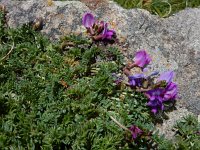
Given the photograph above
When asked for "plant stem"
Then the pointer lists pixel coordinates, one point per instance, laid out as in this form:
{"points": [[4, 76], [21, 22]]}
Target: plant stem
{"points": [[119, 124], [2, 59]]}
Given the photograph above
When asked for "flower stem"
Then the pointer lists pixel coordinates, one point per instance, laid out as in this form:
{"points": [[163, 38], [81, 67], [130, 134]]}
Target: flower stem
{"points": [[119, 124], [6, 56]]}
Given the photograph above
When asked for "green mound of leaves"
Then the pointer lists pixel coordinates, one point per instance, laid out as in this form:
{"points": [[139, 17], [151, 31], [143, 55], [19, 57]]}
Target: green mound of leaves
{"points": [[58, 96], [187, 134], [163, 8], [62, 96]]}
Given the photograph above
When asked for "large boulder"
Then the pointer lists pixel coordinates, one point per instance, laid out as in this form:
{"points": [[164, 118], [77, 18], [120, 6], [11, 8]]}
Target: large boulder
{"points": [[174, 42]]}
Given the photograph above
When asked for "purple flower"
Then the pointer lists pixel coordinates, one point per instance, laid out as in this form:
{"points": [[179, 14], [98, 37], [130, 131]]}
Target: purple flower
{"points": [[170, 92], [104, 33], [159, 95], [155, 94], [110, 34], [98, 30], [107, 34], [135, 131], [166, 76], [88, 20], [155, 105], [141, 58], [155, 97], [136, 80]]}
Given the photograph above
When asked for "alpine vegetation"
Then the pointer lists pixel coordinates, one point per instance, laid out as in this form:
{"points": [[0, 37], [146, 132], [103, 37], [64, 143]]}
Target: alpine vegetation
{"points": [[80, 94]]}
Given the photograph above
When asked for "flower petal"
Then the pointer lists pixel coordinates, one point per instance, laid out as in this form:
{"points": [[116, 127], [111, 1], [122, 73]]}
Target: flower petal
{"points": [[105, 29], [155, 94], [88, 20], [110, 34], [141, 58], [132, 82], [171, 92], [166, 76]]}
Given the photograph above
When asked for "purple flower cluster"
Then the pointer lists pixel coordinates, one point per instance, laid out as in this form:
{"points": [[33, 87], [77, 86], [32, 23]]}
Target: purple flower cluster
{"points": [[98, 30], [159, 92], [135, 131], [160, 95]]}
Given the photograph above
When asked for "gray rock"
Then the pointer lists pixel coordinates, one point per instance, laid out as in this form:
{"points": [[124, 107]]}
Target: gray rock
{"points": [[174, 42], [166, 128], [182, 32]]}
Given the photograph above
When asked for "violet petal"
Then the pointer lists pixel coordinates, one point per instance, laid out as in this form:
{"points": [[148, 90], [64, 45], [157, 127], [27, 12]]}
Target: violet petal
{"points": [[171, 92], [88, 20], [166, 76], [141, 58]]}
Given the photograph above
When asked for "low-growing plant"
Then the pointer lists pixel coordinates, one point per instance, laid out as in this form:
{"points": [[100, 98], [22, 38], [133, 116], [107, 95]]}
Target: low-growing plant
{"points": [[72, 94], [63, 96], [163, 8], [187, 133]]}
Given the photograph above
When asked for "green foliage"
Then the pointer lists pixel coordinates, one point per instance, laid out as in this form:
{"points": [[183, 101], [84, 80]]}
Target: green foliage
{"points": [[61, 96], [163, 8], [187, 134]]}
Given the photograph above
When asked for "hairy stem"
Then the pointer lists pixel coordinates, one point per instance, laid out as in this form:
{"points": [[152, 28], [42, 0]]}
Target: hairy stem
{"points": [[119, 124], [2, 59]]}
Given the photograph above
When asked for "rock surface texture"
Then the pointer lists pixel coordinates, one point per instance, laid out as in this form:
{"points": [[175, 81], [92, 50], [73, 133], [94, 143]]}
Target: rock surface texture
{"points": [[174, 42]]}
